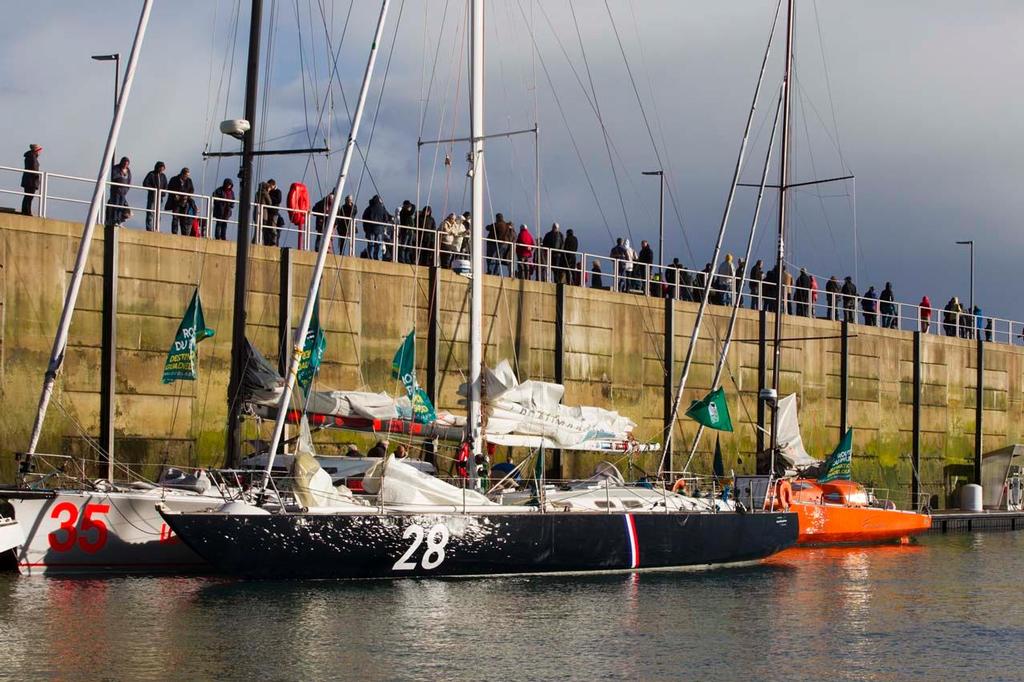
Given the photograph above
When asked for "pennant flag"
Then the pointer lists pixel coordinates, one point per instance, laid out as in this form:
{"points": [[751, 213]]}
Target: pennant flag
{"points": [[183, 356], [712, 411], [312, 350], [837, 466], [403, 367], [719, 466]]}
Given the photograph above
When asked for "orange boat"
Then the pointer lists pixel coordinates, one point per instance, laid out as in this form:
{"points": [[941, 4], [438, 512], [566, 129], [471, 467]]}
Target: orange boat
{"points": [[843, 512]]}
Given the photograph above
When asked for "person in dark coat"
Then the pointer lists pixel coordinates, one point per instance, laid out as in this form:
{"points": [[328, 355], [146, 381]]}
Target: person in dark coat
{"points": [[572, 247], [322, 209], [427, 236], [30, 179], [645, 260], [849, 292], [407, 233], [156, 182], [180, 202], [619, 255], [272, 219], [832, 289], [802, 295], [671, 277], [596, 278], [867, 306], [686, 284], [223, 198], [505, 234], [346, 222], [375, 220], [117, 209], [756, 276], [950, 317], [554, 242], [887, 307], [379, 450], [769, 288]]}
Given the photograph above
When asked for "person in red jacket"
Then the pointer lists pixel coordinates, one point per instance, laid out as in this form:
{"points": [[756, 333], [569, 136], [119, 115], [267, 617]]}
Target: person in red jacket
{"points": [[524, 253], [925, 313]]}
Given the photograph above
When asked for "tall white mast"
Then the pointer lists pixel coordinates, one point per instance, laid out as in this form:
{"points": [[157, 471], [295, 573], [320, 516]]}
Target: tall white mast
{"points": [[476, 115], [60, 341], [325, 247]]}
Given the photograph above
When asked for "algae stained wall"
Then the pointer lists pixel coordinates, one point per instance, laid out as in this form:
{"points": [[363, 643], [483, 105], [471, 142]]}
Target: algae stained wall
{"points": [[613, 348]]}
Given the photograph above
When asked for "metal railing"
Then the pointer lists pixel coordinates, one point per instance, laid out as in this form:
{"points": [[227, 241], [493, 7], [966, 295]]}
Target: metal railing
{"points": [[411, 244]]}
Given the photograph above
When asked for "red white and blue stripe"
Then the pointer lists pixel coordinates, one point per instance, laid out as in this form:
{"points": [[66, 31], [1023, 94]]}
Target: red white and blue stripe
{"points": [[634, 542]]}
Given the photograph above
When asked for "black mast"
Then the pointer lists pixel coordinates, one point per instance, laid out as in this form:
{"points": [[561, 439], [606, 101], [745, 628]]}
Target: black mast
{"points": [[781, 254], [238, 346]]}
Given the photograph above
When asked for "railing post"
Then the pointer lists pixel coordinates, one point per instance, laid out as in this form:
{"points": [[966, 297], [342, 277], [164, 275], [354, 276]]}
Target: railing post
{"points": [[156, 209], [44, 186], [208, 223]]}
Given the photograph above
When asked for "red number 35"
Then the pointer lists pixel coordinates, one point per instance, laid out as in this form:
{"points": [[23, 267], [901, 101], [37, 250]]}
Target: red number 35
{"points": [[71, 534]]}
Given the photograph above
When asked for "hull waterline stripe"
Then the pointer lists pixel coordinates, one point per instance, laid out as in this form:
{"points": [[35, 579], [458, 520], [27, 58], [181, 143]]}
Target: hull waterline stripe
{"points": [[634, 542]]}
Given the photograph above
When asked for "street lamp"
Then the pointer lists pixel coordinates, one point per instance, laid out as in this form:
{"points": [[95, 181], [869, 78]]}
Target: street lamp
{"points": [[116, 58], [970, 243], [661, 216]]}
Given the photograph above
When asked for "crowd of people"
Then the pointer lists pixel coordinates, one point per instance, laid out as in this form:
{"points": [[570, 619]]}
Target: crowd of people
{"points": [[413, 236]]}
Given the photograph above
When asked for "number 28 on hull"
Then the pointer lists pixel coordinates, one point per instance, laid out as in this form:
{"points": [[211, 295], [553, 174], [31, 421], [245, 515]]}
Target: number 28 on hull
{"points": [[355, 545]]}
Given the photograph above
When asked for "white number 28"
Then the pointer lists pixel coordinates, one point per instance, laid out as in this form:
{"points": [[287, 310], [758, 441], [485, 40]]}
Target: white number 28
{"points": [[436, 537]]}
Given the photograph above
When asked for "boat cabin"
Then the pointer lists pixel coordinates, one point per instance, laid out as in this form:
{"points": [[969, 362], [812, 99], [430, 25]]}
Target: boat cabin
{"points": [[846, 493]]}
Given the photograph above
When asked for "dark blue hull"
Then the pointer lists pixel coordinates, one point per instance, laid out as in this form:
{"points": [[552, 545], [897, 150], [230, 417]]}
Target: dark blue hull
{"points": [[398, 545]]}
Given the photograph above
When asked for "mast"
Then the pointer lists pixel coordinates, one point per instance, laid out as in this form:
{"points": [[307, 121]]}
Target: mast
{"points": [[238, 346], [476, 115], [781, 253], [321, 256], [60, 340]]}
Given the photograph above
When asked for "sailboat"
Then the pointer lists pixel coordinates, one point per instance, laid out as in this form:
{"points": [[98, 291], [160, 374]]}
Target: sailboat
{"points": [[832, 509], [107, 525], [418, 525]]}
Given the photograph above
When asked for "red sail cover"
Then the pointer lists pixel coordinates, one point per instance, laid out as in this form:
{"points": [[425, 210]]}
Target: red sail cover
{"points": [[298, 204]]}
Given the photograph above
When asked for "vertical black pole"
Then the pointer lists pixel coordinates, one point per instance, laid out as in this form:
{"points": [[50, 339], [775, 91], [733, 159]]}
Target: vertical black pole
{"points": [[844, 378], [284, 311], [108, 352], [669, 389], [238, 352], [915, 453], [433, 322], [762, 374], [979, 412], [556, 455]]}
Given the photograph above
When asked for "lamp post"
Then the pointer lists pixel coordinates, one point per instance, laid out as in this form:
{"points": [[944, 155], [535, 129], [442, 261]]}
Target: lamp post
{"points": [[116, 58], [970, 243], [661, 215]]}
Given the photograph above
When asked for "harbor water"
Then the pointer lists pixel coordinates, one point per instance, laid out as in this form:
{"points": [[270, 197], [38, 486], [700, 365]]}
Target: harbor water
{"points": [[947, 607]]}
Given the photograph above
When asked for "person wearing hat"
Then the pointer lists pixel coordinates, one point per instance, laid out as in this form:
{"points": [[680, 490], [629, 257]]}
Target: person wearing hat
{"points": [[30, 179]]}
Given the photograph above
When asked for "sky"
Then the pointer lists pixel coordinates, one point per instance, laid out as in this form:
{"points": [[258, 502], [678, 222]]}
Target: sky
{"points": [[917, 99]]}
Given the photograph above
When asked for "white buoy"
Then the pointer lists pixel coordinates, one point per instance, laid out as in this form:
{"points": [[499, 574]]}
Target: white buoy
{"points": [[970, 498]]}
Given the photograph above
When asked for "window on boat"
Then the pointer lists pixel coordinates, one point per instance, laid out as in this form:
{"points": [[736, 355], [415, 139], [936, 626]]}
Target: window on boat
{"points": [[632, 504], [797, 485], [605, 504], [834, 498]]}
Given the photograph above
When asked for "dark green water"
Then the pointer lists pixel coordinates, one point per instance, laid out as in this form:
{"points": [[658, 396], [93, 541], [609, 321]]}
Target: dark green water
{"points": [[949, 608]]}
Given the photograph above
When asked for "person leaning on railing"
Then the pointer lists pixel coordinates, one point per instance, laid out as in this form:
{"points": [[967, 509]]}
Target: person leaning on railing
{"points": [[179, 201], [30, 178], [426, 238], [120, 177], [524, 253]]}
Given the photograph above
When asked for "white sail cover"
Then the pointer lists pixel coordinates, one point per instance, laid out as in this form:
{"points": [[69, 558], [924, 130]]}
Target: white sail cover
{"points": [[516, 412], [791, 445], [405, 484]]}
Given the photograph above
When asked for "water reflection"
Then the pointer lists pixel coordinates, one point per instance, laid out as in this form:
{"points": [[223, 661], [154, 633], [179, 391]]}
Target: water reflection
{"points": [[946, 608]]}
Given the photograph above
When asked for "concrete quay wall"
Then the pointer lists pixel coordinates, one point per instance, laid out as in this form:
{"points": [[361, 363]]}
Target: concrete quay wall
{"points": [[611, 348]]}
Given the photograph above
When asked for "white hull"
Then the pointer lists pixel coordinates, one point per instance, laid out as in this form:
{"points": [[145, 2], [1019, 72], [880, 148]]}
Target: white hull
{"points": [[11, 535], [104, 532]]}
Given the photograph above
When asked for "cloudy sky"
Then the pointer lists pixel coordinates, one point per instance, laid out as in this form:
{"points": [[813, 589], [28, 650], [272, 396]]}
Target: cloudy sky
{"points": [[918, 99]]}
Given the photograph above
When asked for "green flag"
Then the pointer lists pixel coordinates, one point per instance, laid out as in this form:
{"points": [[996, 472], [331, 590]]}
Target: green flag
{"points": [[312, 350], [403, 367], [183, 356], [712, 411], [837, 466], [718, 467]]}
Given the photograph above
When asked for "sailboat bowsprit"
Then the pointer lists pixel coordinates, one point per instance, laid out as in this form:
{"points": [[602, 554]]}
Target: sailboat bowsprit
{"points": [[504, 541]]}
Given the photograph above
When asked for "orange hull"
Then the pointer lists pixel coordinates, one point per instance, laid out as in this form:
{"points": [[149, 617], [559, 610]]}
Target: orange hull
{"points": [[822, 523]]}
